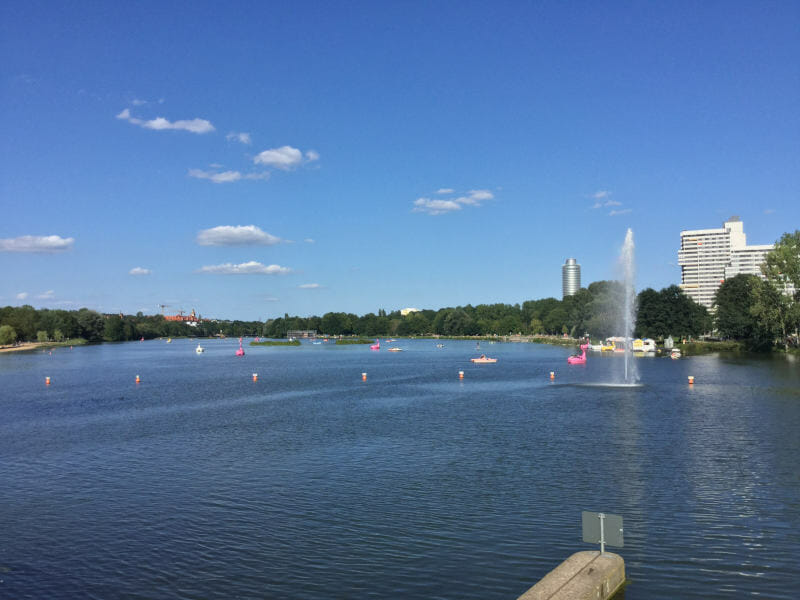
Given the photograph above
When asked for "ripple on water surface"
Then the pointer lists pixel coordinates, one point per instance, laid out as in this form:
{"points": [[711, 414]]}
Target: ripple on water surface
{"points": [[310, 482]]}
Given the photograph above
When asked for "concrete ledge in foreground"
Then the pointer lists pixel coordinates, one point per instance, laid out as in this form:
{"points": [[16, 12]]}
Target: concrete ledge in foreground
{"points": [[583, 576]]}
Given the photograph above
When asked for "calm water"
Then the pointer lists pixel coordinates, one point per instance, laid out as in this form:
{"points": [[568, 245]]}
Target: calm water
{"points": [[310, 483]]}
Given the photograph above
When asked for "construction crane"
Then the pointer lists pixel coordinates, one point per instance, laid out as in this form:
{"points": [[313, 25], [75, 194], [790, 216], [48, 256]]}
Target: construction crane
{"points": [[163, 306]]}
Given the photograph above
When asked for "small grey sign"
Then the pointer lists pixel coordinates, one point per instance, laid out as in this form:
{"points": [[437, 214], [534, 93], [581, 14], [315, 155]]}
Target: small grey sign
{"points": [[612, 528]]}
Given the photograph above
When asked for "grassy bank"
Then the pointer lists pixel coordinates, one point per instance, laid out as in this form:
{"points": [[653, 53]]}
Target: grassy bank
{"points": [[345, 342], [688, 349], [276, 343], [700, 348], [555, 341]]}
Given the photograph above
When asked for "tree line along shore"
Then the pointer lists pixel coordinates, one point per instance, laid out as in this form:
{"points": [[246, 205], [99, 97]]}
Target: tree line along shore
{"points": [[759, 313]]}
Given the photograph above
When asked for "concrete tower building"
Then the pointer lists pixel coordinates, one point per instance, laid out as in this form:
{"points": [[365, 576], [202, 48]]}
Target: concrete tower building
{"points": [[708, 257], [570, 278]]}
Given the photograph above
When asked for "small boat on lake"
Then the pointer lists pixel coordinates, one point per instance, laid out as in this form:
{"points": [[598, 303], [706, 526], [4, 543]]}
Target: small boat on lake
{"points": [[240, 351], [376, 345], [578, 359], [675, 353], [199, 349], [169, 340], [395, 349], [483, 359]]}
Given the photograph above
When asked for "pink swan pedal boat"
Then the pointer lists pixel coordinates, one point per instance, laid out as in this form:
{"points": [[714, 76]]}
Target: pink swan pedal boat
{"points": [[578, 359], [482, 359], [240, 351], [376, 345]]}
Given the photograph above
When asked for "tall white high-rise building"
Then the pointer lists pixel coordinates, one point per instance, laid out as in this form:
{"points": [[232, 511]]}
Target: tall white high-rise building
{"points": [[570, 278], [708, 257]]}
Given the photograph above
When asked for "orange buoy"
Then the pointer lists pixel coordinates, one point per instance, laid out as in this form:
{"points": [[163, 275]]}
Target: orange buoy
{"points": [[363, 377], [138, 380], [461, 374], [255, 376], [691, 379], [552, 374], [47, 381]]}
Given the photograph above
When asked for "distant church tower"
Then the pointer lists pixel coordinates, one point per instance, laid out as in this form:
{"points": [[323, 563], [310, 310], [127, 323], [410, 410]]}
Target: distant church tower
{"points": [[570, 278]]}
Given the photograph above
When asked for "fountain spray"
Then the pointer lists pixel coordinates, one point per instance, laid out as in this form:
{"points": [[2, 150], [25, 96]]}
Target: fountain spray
{"points": [[629, 304]]}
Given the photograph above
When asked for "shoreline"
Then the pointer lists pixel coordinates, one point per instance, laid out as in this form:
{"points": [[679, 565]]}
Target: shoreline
{"points": [[22, 347], [30, 346]]}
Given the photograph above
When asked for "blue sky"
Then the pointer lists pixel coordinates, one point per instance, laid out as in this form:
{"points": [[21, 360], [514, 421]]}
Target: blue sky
{"points": [[252, 159]]}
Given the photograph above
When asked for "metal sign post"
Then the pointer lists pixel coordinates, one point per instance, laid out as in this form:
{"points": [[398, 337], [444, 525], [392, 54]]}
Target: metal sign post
{"points": [[596, 526], [602, 518]]}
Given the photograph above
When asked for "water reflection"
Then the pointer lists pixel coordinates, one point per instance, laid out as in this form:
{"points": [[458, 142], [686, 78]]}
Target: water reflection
{"points": [[199, 482]]}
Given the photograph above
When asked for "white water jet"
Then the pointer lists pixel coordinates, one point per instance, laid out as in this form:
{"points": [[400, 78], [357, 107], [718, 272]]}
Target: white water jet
{"points": [[628, 317]]}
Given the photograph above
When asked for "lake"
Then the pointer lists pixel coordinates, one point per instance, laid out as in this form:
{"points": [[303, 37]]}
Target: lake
{"points": [[199, 482]]}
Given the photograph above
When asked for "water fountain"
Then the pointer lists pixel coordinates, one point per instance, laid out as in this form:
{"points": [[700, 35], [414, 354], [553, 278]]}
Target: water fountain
{"points": [[627, 374], [627, 319]]}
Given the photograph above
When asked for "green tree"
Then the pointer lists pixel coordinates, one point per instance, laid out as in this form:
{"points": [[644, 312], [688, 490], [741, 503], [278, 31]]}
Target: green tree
{"points": [[670, 312], [603, 312], [114, 330], [773, 311], [58, 335], [41, 336], [735, 318], [7, 335], [782, 265], [23, 320], [578, 307], [458, 322], [778, 302], [91, 325], [556, 320]]}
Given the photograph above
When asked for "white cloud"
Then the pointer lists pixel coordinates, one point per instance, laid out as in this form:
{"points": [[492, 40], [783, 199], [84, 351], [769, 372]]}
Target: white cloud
{"points": [[263, 175], [445, 191], [139, 271], [435, 207], [446, 205], [606, 204], [48, 295], [243, 138], [239, 235], [308, 241], [599, 195], [481, 195], [624, 211], [285, 157], [769, 211], [309, 286], [474, 197], [160, 123], [269, 299], [247, 268], [138, 102], [36, 243], [193, 125], [22, 295], [221, 177]]}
